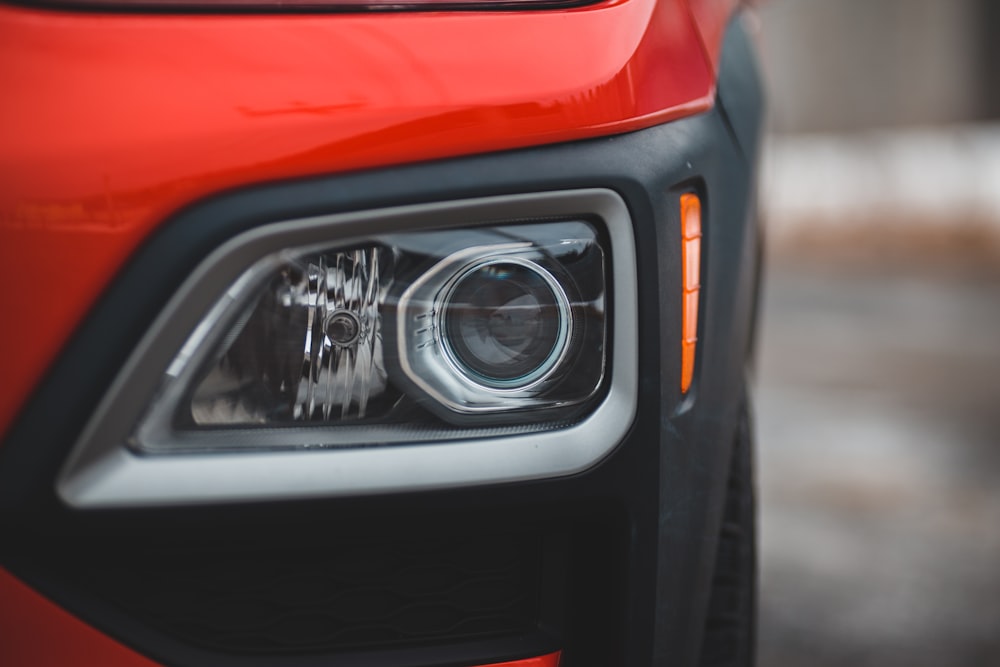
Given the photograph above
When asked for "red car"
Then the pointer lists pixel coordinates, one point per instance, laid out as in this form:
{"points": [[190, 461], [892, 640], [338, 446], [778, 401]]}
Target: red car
{"points": [[377, 333]]}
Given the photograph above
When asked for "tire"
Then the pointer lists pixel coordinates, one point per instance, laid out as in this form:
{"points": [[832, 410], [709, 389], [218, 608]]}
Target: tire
{"points": [[729, 638]]}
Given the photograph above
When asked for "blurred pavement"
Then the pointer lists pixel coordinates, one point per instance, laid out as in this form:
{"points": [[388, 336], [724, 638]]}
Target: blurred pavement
{"points": [[878, 382], [878, 418]]}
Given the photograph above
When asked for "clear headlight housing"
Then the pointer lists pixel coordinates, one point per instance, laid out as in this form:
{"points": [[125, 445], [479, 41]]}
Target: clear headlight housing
{"points": [[498, 344], [404, 336]]}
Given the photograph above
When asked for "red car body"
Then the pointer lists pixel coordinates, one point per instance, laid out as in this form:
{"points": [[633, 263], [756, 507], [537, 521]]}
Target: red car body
{"points": [[115, 120]]}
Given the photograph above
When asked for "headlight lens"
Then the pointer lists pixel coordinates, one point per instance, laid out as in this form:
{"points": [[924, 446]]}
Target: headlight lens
{"points": [[444, 329], [507, 323]]}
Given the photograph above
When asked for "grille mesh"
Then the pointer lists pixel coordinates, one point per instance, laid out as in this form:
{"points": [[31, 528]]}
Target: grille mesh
{"points": [[329, 599]]}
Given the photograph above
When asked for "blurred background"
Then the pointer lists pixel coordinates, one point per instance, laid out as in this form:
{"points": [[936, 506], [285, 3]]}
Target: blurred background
{"points": [[878, 376]]}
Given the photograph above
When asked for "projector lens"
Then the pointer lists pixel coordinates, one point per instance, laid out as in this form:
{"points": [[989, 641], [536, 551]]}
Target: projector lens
{"points": [[506, 323]]}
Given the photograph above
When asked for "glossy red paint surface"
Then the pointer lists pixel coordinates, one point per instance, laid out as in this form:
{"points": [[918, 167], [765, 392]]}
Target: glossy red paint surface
{"points": [[112, 122], [37, 633], [711, 17]]}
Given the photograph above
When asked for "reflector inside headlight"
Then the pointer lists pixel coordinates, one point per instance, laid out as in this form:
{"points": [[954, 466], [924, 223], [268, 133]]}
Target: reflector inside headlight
{"points": [[456, 329], [308, 346]]}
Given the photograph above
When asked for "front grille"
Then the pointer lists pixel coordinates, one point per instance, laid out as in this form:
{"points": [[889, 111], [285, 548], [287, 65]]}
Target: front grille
{"points": [[329, 598]]}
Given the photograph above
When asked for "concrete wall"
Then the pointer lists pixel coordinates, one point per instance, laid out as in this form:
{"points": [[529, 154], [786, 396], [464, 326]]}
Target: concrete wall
{"points": [[836, 65]]}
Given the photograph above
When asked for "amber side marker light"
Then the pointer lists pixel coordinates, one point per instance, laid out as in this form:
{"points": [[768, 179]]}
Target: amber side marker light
{"points": [[691, 267]]}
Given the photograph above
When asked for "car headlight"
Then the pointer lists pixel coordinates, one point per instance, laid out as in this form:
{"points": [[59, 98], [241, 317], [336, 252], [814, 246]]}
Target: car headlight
{"points": [[419, 330], [417, 347]]}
